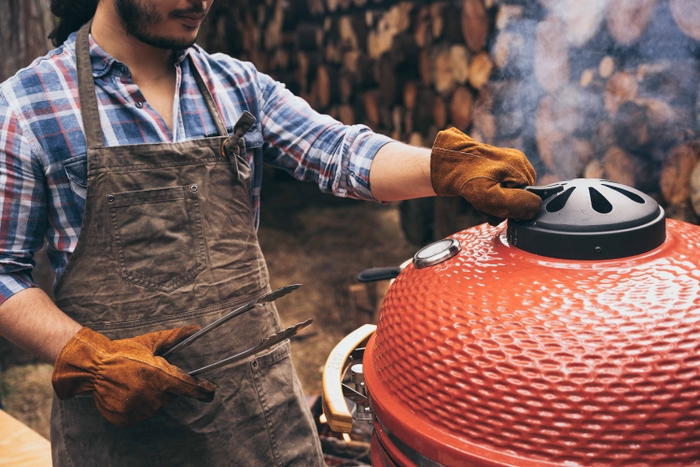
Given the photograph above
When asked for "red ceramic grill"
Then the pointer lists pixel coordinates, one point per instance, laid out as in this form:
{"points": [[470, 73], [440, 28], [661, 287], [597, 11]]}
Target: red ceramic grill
{"points": [[569, 340]]}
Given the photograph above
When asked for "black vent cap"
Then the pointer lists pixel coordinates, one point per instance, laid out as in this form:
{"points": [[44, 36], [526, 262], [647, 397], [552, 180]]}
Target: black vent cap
{"points": [[590, 219]]}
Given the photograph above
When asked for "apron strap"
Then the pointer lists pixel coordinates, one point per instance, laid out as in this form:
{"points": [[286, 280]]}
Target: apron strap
{"points": [[88, 97], [208, 98], [86, 89]]}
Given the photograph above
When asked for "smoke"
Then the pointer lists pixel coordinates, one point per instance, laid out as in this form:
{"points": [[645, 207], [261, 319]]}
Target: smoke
{"points": [[581, 78]]}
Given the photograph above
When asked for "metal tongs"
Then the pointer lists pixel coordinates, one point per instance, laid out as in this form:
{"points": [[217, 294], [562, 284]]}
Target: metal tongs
{"points": [[264, 344]]}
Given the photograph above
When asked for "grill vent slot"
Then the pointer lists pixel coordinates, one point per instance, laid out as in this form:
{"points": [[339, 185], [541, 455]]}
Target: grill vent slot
{"points": [[599, 202], [558, 203], [633, 196]]}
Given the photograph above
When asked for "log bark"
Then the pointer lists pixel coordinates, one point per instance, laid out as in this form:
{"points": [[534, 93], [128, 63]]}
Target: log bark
{"points": [[443, 75], [695, 189], [439, 112], [410, 90], [551, 55], [501, 51], [346, 114], [423, 112], [425, 68], [631, 127], [480, 70], [619, 166], [627, 20], [415, 139], [397, 123], [621, 87], [461, 108], [391, 23], [475, 24], [674, 180], [386, 77], [686, 13], [436, 19], [606, 68], [316, 7], [323, 86], [348, 37], [508, 14], [673, 81], [587, 78], [647, 127], [459, 58], [371, 106], [422, 28], [345, 87], [594, 169]]}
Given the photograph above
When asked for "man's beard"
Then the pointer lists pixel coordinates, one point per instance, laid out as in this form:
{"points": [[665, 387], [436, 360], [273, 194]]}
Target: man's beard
{"points": [[138, 17]]}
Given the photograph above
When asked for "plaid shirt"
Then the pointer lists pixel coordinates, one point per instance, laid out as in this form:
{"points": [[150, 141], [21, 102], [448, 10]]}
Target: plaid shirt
{"points": [[42, 145]]}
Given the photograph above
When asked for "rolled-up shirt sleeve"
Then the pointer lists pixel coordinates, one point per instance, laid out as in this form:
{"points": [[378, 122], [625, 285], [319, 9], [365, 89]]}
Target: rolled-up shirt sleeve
{"points": [[23, 204], [316, 147]]}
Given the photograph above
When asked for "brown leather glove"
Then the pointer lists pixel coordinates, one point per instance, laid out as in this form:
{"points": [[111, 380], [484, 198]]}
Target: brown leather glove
{"points": [[488, 177], [127, 382]]}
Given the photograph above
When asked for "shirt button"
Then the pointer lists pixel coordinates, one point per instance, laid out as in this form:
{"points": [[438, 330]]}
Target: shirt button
{"points": [[139, 105], [125, 70]]}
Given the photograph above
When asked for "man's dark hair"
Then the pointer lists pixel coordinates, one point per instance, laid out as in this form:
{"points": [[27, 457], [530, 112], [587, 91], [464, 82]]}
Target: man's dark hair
{"points": [[71, 14]]}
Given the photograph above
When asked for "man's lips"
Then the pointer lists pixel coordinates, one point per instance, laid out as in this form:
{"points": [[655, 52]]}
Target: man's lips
{"points": [[192, 20]]}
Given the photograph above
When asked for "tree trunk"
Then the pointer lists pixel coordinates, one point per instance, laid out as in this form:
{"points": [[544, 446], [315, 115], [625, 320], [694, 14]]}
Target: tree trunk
{"points": [[24, 25]]}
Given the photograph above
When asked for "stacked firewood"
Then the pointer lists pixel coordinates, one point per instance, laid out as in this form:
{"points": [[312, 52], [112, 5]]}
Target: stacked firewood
{"points": [[599, 88]]}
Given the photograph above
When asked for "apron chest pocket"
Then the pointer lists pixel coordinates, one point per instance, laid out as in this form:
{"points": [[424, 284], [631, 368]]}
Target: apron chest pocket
{"points": [[158, 236]]}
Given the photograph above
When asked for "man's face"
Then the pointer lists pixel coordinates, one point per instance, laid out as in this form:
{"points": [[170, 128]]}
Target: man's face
{"points": [[166, 24]]}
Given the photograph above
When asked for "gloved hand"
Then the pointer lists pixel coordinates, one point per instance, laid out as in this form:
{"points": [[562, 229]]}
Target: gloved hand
{"points": [[127, 382], [490, 178]]}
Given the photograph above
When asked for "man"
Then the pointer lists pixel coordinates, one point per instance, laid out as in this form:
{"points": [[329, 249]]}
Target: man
{"points": [[138, 156]]}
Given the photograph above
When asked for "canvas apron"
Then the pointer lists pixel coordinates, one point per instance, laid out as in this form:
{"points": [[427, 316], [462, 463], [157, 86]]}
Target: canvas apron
{"points": [[168, 240]]}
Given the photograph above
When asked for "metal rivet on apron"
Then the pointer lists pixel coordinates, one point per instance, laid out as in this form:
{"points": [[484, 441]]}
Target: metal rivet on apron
{"points": [[194, 188], [110, 198]]}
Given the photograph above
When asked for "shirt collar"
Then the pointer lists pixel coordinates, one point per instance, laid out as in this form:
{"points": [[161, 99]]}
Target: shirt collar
{"points": [[102, 62]]}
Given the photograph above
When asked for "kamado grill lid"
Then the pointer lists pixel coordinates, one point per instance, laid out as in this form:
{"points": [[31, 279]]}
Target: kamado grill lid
{"points": [[590, 219], [497, 349]]}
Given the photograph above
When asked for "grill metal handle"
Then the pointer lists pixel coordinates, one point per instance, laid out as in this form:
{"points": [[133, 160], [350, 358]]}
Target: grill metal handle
{"points": [[334, 406]]}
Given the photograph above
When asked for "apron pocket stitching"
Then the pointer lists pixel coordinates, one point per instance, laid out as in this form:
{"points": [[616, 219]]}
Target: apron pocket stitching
{"points": [[280, 352], [262, 397], [182, 231]]}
